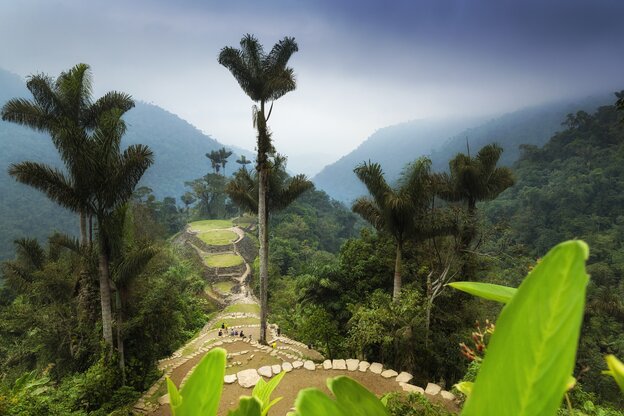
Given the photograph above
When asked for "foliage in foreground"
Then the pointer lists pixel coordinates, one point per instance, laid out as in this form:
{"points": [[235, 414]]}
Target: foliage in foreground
{"points": [[526, 371]]}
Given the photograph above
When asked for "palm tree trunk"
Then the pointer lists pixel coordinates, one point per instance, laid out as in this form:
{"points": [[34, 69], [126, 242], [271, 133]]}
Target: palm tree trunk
{"points": [[83, 228], [120, 340], [397, 272], [90, 229], [263, 236], [105, 297]]}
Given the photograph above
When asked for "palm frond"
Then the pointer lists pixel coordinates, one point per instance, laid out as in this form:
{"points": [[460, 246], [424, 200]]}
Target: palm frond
{"points": [[75, 88], [243, 191], [132, 264], [65, 241], [290, 190], [109, 101], [234, 61], [372, 177], [281, 53], [49, 180], [369, 210], [26, 113], [44, 93], [30, 250]]}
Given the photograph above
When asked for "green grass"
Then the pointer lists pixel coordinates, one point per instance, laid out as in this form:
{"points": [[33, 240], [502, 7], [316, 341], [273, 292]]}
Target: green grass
{"points": [[236, 321], [207, 225], [245, 220], [223, 260], [243, 308], [218, 237], [224, 287]]}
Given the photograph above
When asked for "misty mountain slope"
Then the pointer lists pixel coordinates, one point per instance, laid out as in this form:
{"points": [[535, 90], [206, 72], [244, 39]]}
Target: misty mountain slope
{"points": [[392, 147], [395, 146], [179, 152]]}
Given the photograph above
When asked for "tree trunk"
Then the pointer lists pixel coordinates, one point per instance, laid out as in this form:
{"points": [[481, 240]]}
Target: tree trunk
{"points": [[428, 310], [397, 273], [105, 297], [90, 229], [263, 236], [120, 338], [83, 228]]}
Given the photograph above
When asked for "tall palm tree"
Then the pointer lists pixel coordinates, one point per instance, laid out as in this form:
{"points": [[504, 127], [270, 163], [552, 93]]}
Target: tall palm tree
{"points": [[264, 78], [64, 109], [399, 211], [223, 157], [110, 177], [243, 161]]}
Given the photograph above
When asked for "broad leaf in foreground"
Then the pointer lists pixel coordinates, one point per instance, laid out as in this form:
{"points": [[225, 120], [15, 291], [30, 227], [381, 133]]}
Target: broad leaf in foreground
{"points": [[202, 391], [616, 370], [489, 291], [531, 354]]}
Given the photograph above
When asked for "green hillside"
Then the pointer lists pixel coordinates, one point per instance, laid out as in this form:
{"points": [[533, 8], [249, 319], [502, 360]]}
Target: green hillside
{"points": [[179, 150], [395, 146]]}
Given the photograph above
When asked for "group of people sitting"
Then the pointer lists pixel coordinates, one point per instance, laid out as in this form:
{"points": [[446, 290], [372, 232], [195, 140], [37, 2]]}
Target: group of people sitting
{"points": [[233, 332]]}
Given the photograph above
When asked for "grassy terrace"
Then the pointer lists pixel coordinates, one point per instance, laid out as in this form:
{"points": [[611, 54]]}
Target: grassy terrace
{"points": [[218, 237], [223, 260], [207, 225], [236, 321], [224, 287]]}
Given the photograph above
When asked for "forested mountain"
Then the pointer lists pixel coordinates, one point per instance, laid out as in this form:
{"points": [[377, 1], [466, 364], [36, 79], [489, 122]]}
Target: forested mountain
{"points": [[179, 150], [397, 145], [573, 187]]}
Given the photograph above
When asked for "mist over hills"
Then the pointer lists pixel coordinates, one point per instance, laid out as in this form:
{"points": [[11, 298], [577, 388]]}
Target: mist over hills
{"points": [[179, 150], [395, 146]]}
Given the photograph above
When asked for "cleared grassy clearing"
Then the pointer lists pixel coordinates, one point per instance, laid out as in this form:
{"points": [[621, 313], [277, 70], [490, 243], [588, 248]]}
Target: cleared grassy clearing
{"points": [[223, 260], [224, 287], [207, 225], [243, 308], [218, 237]]}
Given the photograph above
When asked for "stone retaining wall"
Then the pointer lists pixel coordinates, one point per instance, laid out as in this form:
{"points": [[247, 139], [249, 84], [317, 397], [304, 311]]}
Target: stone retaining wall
{"points": [[247, 248], [213, 273]]}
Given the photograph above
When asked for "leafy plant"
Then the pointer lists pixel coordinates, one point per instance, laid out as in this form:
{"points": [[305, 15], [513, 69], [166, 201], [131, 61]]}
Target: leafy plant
{"points": [[352, 399], [531, 354], [616, 370], [201, 394]]}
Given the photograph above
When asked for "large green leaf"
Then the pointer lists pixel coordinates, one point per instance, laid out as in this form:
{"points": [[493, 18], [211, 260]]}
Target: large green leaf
{"points": [[354, 399], [313, 402], [263, 390], [616, 370], [202, 391], [531, 354], [247, 406], [489, 291]]}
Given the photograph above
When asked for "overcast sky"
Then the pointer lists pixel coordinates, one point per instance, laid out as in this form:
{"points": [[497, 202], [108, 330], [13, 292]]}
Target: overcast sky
{"points": [[361, 65]]}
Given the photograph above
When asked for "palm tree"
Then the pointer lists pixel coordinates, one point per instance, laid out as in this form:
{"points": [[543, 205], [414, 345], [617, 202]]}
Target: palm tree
{"points": [[264, 78], [223, 157], [64, 109], [110, 177], [400, 211], [243, 161], [474, 179], [215, 160]]}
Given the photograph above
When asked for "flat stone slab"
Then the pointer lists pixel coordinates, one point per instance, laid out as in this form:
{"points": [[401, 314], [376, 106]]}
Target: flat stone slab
{"points": [[352, 364], [404, 377], [376, 368], [410, 388], [248, 378], [432, 389], [447, 395], [229, 379], [339, 365], [297, 364], [363, 366], [389, 374], [287, 367], [265, 371], [276, 368], [327, 365], [309, 365]]}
